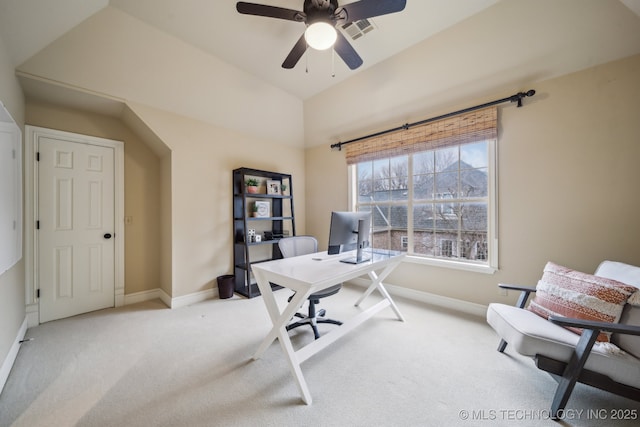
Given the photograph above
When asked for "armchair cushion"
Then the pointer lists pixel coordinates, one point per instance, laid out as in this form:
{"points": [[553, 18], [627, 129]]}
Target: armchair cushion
{"points": [[569, 293], [629, 274], [531, 335]]}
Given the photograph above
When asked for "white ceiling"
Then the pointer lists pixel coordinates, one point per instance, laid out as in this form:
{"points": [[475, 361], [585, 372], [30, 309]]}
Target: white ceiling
{"points": [[255, 44], [259, 45]]}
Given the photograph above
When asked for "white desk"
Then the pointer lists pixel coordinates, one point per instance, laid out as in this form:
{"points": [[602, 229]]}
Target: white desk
{"points": [[305, 275]]}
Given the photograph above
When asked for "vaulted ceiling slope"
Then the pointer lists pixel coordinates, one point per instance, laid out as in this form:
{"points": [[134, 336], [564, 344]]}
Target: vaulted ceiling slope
{"points": [[202, 59], [254, 44]]}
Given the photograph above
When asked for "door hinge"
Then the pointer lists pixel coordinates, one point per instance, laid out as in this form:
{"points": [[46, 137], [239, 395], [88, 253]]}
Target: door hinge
{"points": [[37, 293], [38, 225], [37, 156]]}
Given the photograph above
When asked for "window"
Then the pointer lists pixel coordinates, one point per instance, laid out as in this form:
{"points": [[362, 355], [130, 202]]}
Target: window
{"points": [[435, 202]]}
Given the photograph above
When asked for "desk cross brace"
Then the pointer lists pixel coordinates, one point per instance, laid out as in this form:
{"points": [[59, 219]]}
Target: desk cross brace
{"points": [[280, 320]]}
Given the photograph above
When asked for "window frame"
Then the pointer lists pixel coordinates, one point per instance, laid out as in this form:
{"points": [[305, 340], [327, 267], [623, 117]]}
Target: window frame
{"points": [[491, 264]]}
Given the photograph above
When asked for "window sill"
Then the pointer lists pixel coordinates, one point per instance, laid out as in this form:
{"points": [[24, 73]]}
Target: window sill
{"points": [[455, 265]]}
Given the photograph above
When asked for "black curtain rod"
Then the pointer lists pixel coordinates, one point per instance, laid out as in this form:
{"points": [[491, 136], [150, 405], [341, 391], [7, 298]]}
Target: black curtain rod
{"points": [[513, 98]]}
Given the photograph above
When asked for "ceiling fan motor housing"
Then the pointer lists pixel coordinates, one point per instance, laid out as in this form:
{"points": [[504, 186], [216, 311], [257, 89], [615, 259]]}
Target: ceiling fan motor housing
{"points": [[320, 10]]}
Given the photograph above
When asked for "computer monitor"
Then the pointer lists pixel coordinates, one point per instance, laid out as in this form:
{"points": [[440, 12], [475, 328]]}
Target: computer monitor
{"points": [[349, 231]]}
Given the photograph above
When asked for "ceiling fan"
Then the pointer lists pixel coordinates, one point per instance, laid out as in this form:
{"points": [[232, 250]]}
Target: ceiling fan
{"points": [[321, 18]]}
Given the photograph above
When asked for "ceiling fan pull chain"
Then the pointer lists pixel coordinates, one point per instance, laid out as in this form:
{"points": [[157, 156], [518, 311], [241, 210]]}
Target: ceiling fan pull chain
{"points": [[333, 62]]}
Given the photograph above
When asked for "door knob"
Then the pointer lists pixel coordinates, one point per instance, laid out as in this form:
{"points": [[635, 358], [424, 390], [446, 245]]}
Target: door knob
{"points": [[107, 235]]}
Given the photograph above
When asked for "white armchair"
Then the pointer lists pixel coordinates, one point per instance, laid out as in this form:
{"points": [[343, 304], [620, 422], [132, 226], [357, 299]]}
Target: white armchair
{"points": [[570, 357]]}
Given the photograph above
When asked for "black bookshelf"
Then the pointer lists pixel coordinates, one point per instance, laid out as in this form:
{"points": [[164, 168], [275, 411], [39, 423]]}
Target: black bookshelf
{"points": [[277, 220]]}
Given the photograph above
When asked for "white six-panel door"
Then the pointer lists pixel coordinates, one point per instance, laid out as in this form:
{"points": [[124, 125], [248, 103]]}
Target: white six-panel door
{"points": [[75, 227]]}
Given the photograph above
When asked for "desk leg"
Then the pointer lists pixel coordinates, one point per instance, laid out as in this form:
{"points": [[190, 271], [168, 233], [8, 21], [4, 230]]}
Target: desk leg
{"points": [[279, 330], [278, 320], [294, 365], [376, 283]]}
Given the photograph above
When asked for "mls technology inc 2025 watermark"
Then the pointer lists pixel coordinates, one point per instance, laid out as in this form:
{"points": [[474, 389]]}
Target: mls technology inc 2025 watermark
{"points": [[545, 414]]}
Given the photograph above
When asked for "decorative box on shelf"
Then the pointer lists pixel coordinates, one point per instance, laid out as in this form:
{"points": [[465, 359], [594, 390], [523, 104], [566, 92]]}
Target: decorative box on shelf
{"points": [[261, 209]]}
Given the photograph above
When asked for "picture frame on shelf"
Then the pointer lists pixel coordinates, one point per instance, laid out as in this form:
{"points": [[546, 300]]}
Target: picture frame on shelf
{"points": [[261, 209], [273, 187]]}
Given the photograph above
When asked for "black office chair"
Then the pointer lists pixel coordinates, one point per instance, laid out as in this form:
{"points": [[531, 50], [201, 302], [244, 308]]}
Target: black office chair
{"points": [[302, 245]]}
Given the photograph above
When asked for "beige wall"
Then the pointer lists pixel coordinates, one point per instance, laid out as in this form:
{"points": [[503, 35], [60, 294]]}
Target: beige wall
{"points": [[202, 160], [484, 55], [12, 308], [142, 187], [115, 54], [567, 177]]}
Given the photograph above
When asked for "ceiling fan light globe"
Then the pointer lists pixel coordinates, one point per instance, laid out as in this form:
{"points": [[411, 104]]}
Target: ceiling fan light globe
{"points": [[320, 35]]}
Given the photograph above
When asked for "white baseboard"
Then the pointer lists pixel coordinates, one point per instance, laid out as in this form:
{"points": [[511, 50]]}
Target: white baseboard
{"points": [[7, 364], [170, 302], [186, 300], [426, 297], [142, 296], [33, 315]]}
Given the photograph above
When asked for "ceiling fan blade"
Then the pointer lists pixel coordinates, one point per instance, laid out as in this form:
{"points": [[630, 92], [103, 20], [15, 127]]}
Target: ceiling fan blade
{"points": [[270, 11], [296, 53], [368, 8], [348, 54]]}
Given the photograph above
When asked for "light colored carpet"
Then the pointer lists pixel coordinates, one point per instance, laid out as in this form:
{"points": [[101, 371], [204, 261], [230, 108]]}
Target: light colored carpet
{"points": [[146, 365]]}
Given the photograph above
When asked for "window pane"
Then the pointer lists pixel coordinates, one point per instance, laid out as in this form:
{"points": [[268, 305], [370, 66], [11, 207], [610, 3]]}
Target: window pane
{"points": [[423, 243], [474, 216], [446, 185], [423, 186], [381, 190], [423, 223], [381, 239], [423, 163], [473, 155], [446, 216], [474, 183], [399, 178], [400, 194], [399, 172], [423, 217], [447, 159], [381, 168], [398, 217], [365, 170], [381, 217], [365, 181]]}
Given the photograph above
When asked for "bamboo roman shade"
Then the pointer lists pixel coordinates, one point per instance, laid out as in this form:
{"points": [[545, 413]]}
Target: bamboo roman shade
{"points": [[464, 128]]}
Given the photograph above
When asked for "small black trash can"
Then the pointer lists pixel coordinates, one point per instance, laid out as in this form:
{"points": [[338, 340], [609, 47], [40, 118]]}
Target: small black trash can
{"points": [[225, 286]]}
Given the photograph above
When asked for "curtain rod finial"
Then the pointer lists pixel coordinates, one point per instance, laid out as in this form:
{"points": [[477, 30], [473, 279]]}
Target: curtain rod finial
{"points": [[518, 96]]}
